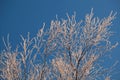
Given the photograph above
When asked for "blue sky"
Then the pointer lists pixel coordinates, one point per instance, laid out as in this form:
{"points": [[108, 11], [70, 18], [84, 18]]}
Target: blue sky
{"points": [[22, 16]]}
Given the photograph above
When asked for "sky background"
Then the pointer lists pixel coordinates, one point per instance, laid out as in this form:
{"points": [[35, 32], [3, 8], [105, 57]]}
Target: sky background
{"points": [[22, 16]]}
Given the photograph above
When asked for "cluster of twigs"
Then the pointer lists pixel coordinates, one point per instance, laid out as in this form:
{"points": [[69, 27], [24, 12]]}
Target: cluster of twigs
{"points": [[68, 50]]}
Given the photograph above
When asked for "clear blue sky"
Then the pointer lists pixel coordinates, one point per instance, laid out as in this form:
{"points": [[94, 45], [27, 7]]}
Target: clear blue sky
{"points": [[22, 16]]}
